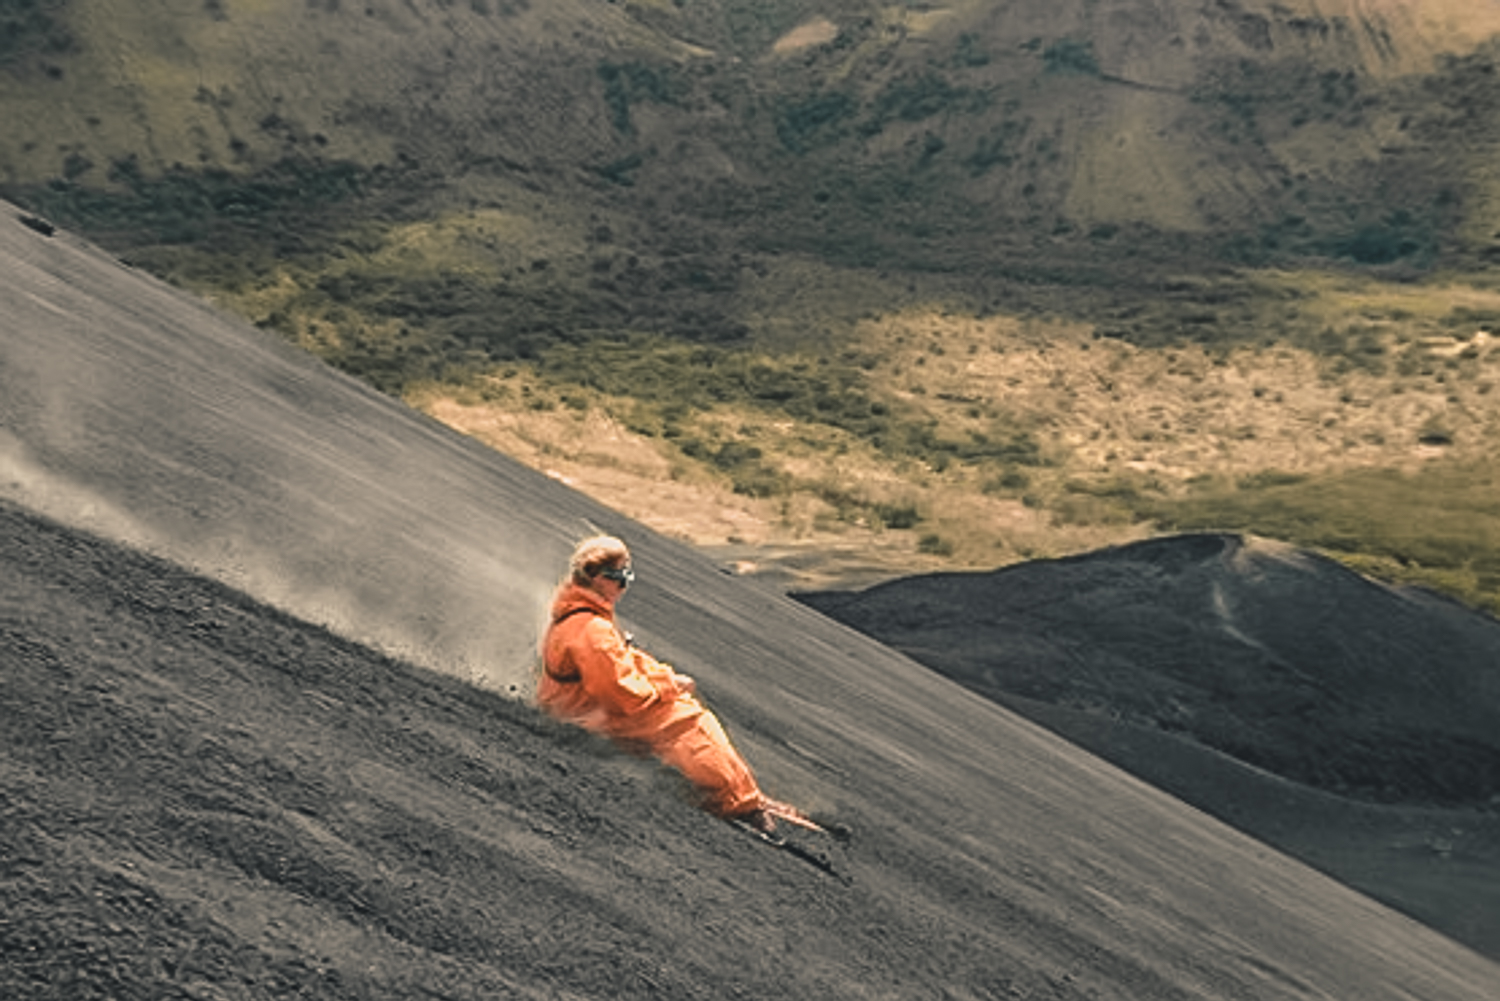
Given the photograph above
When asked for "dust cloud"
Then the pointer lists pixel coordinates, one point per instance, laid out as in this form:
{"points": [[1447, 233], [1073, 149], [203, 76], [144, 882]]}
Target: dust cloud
{"points": [[144, 416]]}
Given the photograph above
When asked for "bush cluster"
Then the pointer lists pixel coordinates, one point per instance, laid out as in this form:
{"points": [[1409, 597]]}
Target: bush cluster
{"points": [[277, 209], [27, 26], [742, 462], [631, 83], [815, 391]]}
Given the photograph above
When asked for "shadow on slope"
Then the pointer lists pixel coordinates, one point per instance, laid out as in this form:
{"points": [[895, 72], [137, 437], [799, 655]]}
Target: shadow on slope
{"points": [[1349, 723]]}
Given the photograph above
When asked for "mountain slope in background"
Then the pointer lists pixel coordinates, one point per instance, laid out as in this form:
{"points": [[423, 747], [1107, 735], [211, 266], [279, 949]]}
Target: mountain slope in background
{"points": [[202, 795], [1177, 657], [1280, 123], [952, 136], [131, 86]]}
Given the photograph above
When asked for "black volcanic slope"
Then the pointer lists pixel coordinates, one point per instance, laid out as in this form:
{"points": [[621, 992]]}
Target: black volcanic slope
{"points": [[1275, 656], [203, 797], [1177, 657]]}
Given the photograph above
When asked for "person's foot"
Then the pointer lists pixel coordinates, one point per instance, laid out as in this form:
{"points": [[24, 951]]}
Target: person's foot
{"points": [[763, 817], [790, 814], [761, 820]]}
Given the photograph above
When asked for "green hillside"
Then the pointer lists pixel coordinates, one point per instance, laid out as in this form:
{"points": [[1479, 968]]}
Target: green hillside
{"points": [[962, 137]]}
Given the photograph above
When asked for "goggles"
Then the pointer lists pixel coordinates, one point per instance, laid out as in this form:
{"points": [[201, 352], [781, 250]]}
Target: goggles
{"points": [[620, 575]]}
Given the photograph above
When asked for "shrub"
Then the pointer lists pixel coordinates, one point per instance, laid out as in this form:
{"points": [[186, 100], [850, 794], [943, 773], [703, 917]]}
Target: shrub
{"points": [[625, 83], [27, 26], [1071, 55], [898, 516], [805, 124], [934, 545], [1270, 478], [913, 99], [1009, 481]]}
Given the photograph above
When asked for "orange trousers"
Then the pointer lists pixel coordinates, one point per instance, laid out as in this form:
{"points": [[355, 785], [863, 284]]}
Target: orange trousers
{"points": [[689, 738]]}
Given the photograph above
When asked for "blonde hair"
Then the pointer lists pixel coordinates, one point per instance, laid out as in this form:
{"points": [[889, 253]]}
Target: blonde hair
{"points": [[595, 554]]}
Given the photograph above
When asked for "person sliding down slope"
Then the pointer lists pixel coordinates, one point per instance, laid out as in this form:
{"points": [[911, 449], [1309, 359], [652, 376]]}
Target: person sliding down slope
{"points": [[596, 678]]}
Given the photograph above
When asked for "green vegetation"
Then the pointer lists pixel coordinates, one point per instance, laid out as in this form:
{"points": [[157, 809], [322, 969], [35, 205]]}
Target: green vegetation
{"points": [[970, 52], [999, 149], [364, 267], [669, 381], [284, 210], [631, 83], [28, 26], [806, 123], [742, 463], [1071, 55], [913, 99]]}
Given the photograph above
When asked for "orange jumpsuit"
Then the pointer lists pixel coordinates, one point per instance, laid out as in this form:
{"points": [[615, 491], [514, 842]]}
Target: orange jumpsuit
{"points": [[592, 677]]}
